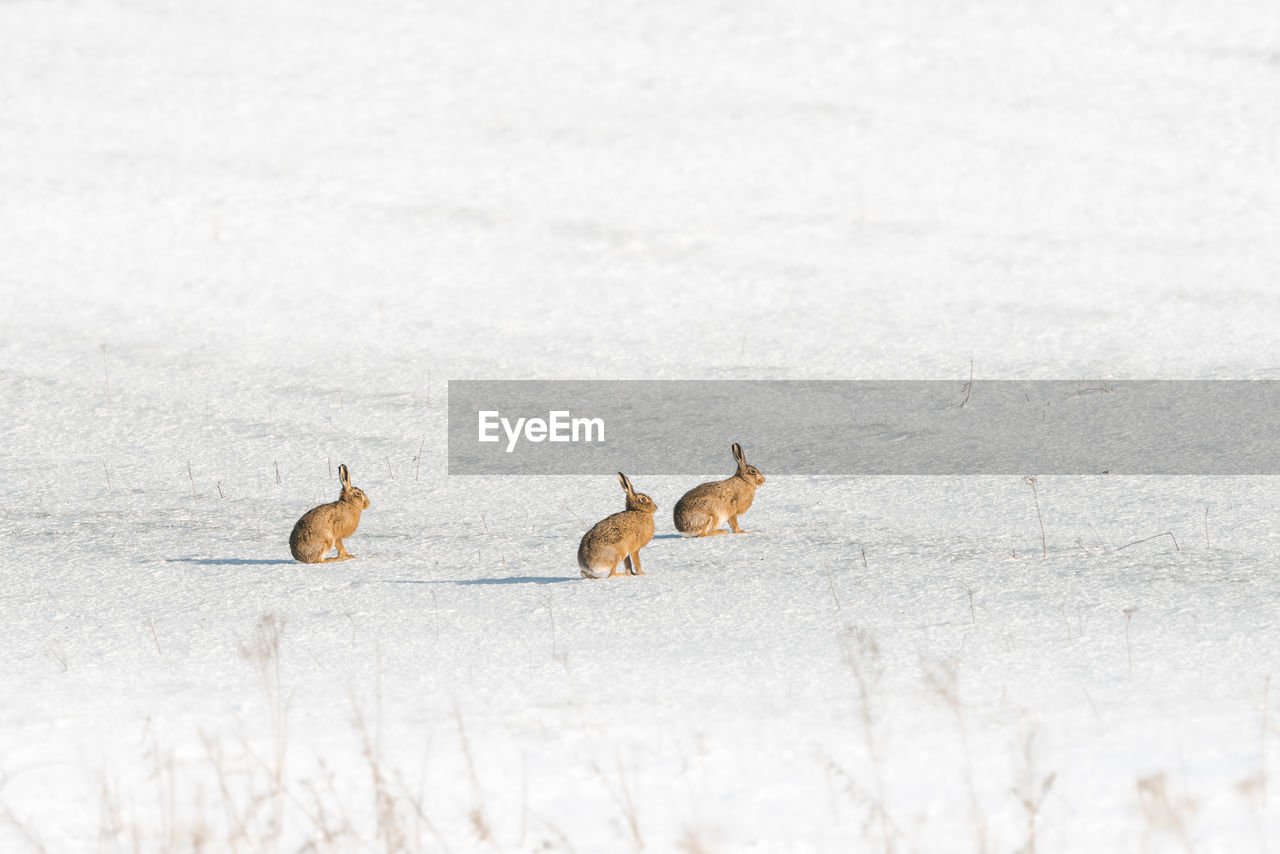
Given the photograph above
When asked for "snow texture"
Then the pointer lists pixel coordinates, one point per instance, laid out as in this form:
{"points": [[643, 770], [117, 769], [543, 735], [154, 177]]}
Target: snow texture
{"points": [[243, 242]]}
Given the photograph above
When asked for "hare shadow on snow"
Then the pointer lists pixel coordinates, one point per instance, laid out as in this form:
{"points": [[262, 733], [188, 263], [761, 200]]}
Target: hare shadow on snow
{"points": [[228, 561], [523, 579]]}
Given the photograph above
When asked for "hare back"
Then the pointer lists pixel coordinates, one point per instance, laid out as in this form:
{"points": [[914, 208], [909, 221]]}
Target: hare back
{"points": [[729, 497], [340, 517]]}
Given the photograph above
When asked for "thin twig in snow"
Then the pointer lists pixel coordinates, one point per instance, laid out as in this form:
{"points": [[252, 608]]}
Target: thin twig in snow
{"points": [[1128, 647], [831, 582], [1044, 545], [1168, 534]]}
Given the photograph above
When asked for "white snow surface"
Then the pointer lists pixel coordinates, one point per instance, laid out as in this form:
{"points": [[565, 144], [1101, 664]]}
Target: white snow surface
{"points": [[243, 242]]}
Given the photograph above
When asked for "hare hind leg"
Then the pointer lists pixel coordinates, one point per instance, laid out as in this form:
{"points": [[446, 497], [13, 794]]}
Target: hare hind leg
{"points": [[713, 528], [342, 554], [702, 523], [733, 523]]}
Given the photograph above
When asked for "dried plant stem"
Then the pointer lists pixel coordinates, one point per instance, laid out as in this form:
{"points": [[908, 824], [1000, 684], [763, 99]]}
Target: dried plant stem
{"points": [[832, 583], [943, 679], [1031, 793], [1044, 545], [59, 654], [20, 827], [621, 795], [478, 821], [575, 515], [151, 626], [1168, 534], [861, 655]]}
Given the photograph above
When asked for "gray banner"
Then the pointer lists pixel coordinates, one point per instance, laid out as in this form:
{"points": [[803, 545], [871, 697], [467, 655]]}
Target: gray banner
{"points": [[935, 427]]}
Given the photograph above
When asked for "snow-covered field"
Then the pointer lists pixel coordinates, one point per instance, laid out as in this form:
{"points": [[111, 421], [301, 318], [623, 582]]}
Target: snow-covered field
{"points": [[243, 242]]}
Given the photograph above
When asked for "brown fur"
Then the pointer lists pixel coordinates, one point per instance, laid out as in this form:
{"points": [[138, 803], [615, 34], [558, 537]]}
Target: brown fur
{"points": [[701, 511], [325, 527], [618, 537]]}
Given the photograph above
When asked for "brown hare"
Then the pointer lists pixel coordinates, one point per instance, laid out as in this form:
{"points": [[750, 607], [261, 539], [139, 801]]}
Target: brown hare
{"points": [[325, 527], [702, 510], [618, 537]]}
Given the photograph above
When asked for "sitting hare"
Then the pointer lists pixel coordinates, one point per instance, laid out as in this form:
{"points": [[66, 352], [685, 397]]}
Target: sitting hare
{"points": [[618, 537], [325, 527], [703, 509]]}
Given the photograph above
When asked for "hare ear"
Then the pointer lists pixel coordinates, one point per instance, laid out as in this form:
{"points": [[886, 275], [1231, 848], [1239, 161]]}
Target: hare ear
{"points": [[626, 484], [737, 454], [344, 475]]}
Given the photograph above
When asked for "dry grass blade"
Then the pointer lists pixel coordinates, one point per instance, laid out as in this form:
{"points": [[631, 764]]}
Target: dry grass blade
{"points": [[1168, 534]]}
